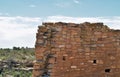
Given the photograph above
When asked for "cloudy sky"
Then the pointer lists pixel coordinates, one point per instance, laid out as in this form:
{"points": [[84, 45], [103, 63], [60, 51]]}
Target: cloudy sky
{"points": [[19, 19]]}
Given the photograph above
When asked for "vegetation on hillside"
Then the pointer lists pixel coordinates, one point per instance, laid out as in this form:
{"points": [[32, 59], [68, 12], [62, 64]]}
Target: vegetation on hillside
{"points": [[16, 62]]}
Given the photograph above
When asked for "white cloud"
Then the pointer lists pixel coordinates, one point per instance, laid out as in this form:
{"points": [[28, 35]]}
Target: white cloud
{"points": [[21, 31], [1, 14], [32, 5], [4, 14], [76, 1], [63, 5], [7, 14], [68, 4], [18, 31]]}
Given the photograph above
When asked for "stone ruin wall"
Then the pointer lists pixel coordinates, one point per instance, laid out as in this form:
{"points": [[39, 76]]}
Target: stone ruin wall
{"points": [[77, 50]]}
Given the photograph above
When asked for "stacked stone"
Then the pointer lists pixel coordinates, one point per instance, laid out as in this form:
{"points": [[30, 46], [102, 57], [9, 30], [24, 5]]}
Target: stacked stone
{"points": [[77, 50], [42, 50]]}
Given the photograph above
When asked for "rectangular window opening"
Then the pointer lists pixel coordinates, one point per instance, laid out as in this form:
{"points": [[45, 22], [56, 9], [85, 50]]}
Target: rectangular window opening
{"points": [[94, 61], [107, 70], [64, 58]]}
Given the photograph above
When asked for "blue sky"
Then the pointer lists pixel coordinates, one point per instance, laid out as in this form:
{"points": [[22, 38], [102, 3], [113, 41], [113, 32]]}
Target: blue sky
{"points": [[74, 8], [19, 19]]}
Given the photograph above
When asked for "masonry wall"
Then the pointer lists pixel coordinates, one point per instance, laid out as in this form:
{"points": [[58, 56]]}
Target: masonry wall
{"points": [[77, 50]]}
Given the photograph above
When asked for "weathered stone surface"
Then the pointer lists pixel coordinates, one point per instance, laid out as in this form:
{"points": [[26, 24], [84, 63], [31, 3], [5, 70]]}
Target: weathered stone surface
{"points": [[77, 50]]}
